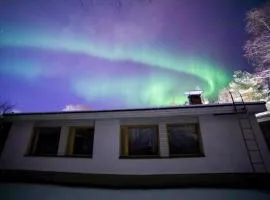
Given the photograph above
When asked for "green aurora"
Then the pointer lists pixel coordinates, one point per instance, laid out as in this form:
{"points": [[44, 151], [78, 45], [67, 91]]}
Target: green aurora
{"points": [[155, 92]]}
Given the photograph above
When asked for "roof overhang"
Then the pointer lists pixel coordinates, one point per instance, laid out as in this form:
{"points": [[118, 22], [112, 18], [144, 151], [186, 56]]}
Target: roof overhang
{"points": [[190, 110]]}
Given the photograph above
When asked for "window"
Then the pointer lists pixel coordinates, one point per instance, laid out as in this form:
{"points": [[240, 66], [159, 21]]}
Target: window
{"points": [[139, 141], [45, 141], [184, 139], [4, 131], [265, 127], [80, 142]]}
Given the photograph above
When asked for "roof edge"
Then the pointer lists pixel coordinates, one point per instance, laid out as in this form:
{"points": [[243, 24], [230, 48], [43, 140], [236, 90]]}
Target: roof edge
{"points": [[139, 109]]}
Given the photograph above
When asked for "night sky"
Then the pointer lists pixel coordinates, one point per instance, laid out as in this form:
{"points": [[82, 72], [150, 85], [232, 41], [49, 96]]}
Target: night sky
{"points": [[96, 55]]}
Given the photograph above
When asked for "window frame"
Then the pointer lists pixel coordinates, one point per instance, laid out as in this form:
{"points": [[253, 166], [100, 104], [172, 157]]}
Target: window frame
{"points": [[71, 139], [34, 139], [124, 141], [198, 132]]}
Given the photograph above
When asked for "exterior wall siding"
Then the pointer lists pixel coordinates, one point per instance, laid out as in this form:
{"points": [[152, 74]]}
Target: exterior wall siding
{"points": [[163, 140]]}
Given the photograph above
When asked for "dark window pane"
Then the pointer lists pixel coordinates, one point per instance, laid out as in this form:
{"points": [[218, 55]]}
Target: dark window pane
{"points": [[183, 139], [83, 142], [4, 130], [143, 141], [47, 141], [265, 126]]}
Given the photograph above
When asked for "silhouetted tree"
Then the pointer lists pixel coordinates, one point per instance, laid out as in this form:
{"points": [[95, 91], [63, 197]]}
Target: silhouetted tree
{"points": [[5, 107]]}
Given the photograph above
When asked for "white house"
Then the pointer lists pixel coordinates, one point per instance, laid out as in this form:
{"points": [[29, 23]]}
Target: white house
{"points": [[194, 145]]}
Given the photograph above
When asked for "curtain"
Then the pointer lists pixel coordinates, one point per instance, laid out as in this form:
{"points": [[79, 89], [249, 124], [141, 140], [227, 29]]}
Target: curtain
{"points": [[183, 139], [143, 141], [83, 143]]}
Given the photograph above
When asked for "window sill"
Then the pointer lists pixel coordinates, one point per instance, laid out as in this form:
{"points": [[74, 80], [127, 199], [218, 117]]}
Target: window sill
{"points": [[141, 157], [77, 156], [32, 155], [186, 155], [159, 157], [60, 156]]}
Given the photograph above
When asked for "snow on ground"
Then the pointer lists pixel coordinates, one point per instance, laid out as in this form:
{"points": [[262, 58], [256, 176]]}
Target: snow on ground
{"points": [[11, 191]]}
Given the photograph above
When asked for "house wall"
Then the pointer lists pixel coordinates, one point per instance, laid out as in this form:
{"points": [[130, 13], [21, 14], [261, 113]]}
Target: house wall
{"points": [[261, 142], [106, 151], [223, 146]]}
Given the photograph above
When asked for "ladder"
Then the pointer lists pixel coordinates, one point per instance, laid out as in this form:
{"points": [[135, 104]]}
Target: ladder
{"points": [[247, 131]]}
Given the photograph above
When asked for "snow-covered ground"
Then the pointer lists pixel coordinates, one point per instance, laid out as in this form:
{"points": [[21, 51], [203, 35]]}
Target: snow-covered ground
{"points": [[50, 192]]}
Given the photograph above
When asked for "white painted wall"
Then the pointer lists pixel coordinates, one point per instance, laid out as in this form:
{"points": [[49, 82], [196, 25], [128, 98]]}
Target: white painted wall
{"points": [[222, 143]]}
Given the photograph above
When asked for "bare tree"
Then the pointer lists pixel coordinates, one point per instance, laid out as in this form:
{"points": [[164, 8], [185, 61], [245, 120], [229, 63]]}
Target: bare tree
{"points": [[257, 48], [5, 107]]}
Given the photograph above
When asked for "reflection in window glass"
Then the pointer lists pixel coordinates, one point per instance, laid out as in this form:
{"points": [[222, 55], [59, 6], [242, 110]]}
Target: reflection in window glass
{"points": [[183, 139], [142, 141], [81, 141], [139, 140]]}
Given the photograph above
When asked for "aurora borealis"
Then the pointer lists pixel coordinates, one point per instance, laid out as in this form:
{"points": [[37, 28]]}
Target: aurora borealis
{"points": [[140, 55]]}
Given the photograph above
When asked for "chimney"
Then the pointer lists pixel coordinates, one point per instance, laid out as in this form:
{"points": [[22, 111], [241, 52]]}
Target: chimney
{"points": [[194, 97]]}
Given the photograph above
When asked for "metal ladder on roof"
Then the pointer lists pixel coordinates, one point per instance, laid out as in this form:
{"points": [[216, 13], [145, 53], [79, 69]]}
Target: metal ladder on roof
{"points": [[251, 143]]}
